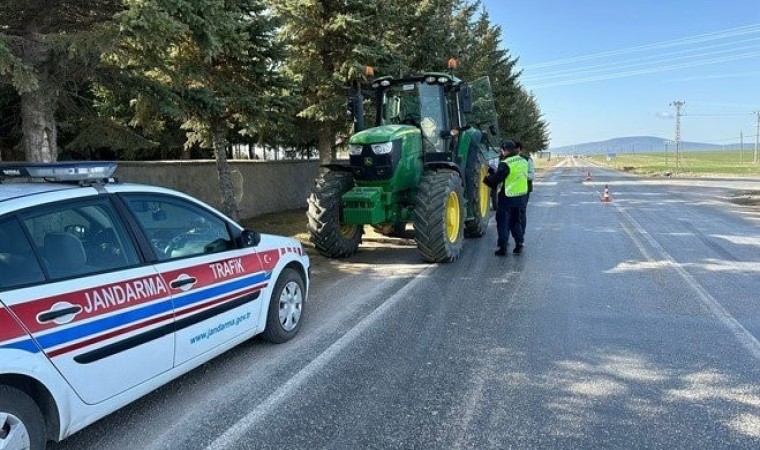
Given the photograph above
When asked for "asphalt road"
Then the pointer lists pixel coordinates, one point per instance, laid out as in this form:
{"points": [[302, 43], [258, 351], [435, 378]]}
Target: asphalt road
{"points": [[629, 324]]}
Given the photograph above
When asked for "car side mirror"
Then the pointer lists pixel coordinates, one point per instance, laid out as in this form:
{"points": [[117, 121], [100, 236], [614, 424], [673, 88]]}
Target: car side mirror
{"points": [[250, 238]]}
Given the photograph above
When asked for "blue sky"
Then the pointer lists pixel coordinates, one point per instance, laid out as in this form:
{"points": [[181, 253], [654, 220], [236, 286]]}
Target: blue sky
{"points": [[636, 57]]}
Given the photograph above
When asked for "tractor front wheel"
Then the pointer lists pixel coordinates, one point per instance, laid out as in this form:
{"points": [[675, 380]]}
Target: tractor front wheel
{"points": [[330, 237], [439, 216]]}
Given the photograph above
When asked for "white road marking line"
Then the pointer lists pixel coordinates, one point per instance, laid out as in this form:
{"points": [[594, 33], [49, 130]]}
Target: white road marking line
{"points": [[237, 431], [708, 301]]}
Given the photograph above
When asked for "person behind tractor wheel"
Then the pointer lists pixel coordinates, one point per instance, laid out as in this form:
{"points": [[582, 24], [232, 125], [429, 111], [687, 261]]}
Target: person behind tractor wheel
{"points": [[513, 173], [531, 175]]}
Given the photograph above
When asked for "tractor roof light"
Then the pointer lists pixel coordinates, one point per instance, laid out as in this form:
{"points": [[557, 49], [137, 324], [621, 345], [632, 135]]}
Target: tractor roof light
{"points": [[443, 80], [430, 79], [81, 171], [385, 83]]}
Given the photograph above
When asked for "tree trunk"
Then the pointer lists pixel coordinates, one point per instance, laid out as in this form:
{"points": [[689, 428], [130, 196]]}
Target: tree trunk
{"points": [[219, 139], [40, 135], [324, 143], [39, 132]]}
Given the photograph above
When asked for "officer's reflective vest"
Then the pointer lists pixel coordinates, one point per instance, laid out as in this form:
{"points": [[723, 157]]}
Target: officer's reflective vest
{"points": [[516, 183]]}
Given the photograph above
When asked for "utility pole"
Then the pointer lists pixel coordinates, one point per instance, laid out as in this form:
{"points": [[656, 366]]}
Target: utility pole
{"points": [[757, 136], [678, 104]]}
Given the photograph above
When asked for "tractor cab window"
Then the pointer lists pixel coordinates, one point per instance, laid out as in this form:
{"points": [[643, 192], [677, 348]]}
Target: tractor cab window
{"points": [[483, 114], [432, 111], [401, 105], [418, 104]]}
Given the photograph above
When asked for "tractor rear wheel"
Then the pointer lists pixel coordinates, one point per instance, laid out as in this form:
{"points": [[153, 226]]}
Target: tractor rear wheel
{"points": [[477, 225], [330, 237], [439, 216]]}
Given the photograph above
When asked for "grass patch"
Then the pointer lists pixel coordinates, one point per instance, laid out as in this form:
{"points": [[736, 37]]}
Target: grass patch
{"points": [[694, 163]]}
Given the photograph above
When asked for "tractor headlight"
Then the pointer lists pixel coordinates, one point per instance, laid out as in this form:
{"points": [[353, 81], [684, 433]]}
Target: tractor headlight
{"points": [[354, 150], [382, 149]]}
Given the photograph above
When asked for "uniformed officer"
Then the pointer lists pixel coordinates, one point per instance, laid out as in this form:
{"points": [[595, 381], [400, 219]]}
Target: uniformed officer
{"points": [[513, 173], [531, 176]]}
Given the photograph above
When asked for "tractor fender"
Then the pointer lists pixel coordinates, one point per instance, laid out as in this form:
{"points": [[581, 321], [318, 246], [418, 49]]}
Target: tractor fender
{"points": [[448, 165]]}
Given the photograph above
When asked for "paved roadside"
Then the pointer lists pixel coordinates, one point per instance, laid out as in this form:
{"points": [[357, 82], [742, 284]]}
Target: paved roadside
{"points": [[293, 223]]}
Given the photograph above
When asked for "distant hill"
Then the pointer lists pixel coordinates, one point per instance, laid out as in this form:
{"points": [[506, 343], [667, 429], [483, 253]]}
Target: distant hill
{"points": [[638, 144]]}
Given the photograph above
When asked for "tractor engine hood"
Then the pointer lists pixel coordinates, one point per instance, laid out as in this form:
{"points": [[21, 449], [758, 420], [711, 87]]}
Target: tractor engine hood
{"points": [[383, 133], [375, 153]]}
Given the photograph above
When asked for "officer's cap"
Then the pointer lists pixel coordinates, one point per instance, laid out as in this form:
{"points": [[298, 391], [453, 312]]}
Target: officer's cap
{"points": [[508, 145]]}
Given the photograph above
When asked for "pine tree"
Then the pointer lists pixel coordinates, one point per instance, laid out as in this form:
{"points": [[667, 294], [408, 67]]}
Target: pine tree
{"points": [[48, 48], [329, 43], [210, 64]]}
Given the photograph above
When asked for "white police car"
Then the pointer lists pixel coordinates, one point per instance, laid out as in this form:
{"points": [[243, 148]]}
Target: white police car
{"points": [[109, 290]]}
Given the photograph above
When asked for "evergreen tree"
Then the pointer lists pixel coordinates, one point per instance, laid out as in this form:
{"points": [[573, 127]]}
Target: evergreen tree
{"points": [[48, 49], [209, 64], [329, 43]]}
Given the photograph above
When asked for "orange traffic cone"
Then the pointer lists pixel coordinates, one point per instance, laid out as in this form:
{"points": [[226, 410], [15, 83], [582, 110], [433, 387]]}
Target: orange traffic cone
{"points": [[606, 196]]}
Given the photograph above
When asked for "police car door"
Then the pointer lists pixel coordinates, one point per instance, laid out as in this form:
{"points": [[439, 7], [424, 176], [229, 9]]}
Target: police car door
{"points": [[215, 286], [103, 317]]}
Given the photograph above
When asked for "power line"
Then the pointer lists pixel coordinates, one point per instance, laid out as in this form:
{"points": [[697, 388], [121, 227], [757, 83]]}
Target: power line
{"points": [[706, 37], [644, 71], [647, 60], [721, 115], [715, 77]]}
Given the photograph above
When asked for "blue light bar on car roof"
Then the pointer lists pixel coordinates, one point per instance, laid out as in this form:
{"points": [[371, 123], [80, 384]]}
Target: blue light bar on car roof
{"points": [[65, 171]]}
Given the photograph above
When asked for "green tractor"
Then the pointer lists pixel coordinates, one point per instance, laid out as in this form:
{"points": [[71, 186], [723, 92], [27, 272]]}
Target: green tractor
{"points": [[423, 162]]}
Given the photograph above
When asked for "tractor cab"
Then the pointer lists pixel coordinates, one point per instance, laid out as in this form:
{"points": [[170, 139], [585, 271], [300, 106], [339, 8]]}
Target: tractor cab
{"points": [[429, 102]]}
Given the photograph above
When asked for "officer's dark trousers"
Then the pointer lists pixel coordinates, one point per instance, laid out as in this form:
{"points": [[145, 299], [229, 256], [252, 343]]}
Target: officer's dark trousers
{"points": [[508, 219], [524, 214]]}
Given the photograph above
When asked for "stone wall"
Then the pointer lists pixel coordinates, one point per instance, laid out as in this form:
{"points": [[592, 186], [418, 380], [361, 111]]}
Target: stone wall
{"points": [[260, 186]]}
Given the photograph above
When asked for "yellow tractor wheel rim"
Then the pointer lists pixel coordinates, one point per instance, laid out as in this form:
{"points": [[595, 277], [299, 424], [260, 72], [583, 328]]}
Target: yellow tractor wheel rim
{"points": [[484, 195], [452, 216]]}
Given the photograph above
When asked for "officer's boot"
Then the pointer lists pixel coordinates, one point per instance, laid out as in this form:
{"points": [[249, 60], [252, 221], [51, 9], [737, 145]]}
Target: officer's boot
{"points": [[502, 250]]}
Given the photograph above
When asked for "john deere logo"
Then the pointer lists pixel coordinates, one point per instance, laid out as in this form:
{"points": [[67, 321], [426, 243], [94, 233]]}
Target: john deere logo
{"points": [[368, 161]]}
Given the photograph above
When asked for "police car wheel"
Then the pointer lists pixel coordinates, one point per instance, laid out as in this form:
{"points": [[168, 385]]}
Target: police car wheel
{"points": [[21, 423], [285, 307]]}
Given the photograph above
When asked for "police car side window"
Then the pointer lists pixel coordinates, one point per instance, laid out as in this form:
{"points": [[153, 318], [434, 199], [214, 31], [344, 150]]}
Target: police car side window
{"points": [[177, 228], [18, 263], [80, 238]]}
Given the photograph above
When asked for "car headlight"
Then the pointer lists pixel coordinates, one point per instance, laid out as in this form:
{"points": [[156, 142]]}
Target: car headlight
{"points": [[354, 150], [382, 149]]}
